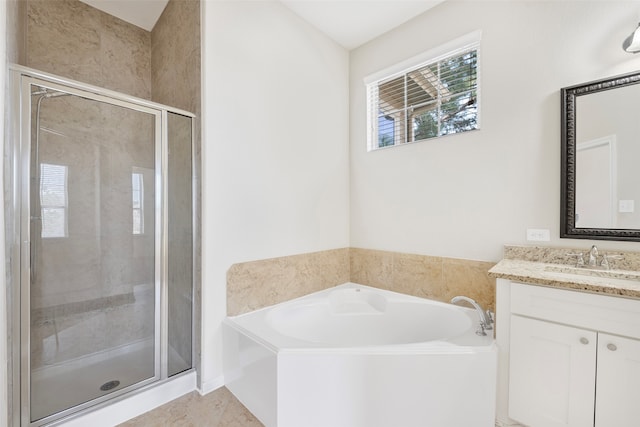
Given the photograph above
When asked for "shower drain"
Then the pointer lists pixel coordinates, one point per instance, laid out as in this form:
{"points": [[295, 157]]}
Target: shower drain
{"points": [[109, 385]]}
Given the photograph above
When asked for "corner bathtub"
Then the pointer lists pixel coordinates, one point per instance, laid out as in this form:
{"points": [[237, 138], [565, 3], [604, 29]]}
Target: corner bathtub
{"points": [[356, 356]]}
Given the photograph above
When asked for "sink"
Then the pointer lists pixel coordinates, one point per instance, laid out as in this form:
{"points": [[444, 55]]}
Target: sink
{"points": [[611, 277]]}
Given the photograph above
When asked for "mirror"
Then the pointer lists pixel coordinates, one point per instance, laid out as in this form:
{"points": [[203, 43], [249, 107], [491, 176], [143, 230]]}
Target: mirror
{"points": [[600, 195]]}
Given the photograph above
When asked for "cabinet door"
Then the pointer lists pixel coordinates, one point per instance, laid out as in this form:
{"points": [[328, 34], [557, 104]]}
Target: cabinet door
{"points": [[551, 374], [618, 382]]}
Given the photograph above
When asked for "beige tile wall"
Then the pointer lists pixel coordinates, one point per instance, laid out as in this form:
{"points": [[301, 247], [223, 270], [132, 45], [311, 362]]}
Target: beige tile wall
{"points": [[257, 284], [431, 277], [74, 40]]}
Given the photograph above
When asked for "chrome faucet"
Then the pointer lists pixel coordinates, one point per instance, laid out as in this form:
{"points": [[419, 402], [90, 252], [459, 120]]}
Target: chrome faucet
{"points": [[486, 319], [593, 256], [592, 262]]}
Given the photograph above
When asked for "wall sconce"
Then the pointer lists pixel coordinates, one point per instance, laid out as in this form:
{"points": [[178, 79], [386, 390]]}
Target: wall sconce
{"points": [[632, 43]]}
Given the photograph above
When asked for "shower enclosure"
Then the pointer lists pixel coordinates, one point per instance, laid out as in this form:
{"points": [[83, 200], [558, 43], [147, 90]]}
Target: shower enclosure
{"points": [[102, 250]]}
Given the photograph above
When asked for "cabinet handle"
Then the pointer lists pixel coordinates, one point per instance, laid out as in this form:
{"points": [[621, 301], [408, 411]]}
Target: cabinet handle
{"points": [[584, 341], [612, 347]]}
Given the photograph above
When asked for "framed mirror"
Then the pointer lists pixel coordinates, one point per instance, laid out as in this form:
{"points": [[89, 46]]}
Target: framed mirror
{"points": [[600, 170]]}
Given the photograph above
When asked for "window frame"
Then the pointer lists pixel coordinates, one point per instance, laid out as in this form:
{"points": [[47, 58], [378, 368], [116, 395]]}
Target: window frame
{"points": [[466, 43]]}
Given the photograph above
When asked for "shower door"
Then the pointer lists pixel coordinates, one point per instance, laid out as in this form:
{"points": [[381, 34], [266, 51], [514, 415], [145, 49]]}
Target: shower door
{"points": [[90, 294]]}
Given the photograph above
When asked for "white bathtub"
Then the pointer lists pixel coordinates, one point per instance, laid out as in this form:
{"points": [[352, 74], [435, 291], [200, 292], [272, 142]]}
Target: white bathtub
{"points": [[356, 356]]}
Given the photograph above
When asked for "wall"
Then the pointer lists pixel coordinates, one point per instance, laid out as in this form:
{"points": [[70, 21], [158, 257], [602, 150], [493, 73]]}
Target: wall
{"points": [[275, 181], [71, 39], [86, 270], [433, 277], [256, 284], [466, 195]]}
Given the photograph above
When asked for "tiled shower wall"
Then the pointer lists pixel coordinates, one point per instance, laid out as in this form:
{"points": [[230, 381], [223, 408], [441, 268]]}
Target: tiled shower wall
{"points": [[71, 39], [257, 284], [83, 273], [74, 40]]}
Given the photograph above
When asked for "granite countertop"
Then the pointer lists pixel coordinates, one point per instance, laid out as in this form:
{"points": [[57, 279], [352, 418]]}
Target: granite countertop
{"points": [[624, 283]]}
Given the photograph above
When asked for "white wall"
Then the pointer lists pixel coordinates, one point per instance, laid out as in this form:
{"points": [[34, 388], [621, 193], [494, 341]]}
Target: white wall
{"points": [[467, 195], [275, 147]]}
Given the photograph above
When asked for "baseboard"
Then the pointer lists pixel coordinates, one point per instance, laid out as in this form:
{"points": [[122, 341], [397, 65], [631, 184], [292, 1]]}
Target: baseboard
{"points": [[502, 423], [209, 386]]}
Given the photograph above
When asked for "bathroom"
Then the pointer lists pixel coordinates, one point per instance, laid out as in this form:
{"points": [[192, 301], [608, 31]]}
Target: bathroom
{"points": [[291, 193]]}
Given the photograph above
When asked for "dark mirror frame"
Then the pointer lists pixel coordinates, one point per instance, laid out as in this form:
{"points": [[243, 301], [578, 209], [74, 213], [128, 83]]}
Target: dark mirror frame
{"points": [[568, 160]]}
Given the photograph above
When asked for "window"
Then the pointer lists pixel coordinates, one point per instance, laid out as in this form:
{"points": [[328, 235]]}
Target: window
{"points": [[435, 96], [53, 200], [137, 195]]}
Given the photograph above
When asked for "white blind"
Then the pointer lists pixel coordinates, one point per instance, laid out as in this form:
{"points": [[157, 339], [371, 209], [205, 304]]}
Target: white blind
{"points": [[53, 200], [435, 98]]}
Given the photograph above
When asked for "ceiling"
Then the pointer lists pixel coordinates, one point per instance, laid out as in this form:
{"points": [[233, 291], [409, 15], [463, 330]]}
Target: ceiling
{"points": [[350, 23], [142, 13]]}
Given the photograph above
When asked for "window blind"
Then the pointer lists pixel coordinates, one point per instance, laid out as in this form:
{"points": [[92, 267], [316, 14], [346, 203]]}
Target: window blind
{"points": [[435, 98], [53, 200]]}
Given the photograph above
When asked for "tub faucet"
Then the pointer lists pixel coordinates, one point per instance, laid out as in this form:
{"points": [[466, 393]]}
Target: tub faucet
{"points": [[486, 320]]}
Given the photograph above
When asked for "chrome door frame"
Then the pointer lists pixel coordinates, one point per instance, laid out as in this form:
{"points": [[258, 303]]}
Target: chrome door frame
{"points": [[19, 151]]}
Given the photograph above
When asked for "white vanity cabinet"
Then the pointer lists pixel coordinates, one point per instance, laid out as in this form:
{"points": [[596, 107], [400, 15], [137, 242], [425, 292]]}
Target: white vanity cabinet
{"points": [[618, 381], [552, 374], [573, 357]]}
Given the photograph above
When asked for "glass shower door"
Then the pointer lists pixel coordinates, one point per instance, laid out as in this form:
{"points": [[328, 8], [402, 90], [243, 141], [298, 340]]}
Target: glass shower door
{"points": [[92, 295]]}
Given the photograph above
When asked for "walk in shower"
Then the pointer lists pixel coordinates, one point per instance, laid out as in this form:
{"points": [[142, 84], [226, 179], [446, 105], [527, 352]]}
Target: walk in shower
{"points": [[102, 245]]}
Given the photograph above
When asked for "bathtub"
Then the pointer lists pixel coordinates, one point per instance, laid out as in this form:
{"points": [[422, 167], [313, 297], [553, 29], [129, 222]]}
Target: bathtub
{"points": [[356, 356]]}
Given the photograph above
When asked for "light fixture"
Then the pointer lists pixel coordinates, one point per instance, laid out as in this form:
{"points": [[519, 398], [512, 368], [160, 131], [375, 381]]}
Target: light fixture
{"points": [[632, 43]]}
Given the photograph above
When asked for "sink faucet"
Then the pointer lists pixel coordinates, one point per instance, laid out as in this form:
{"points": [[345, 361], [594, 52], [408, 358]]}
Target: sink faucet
{"points": [[486, 321], [593, 256], [592, 263]]}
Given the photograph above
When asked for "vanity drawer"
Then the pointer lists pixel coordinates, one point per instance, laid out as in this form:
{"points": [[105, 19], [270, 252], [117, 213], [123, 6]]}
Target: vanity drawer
{"points": [[615, 315]]}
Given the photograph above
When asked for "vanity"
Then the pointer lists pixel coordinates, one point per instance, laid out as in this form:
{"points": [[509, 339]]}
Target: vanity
{"points": [[569, 339], [568, 320]]}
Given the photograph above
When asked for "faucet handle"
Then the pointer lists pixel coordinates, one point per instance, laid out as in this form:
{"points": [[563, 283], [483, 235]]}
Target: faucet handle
{"points": [[491, 318], [579, 258], [606, 258]]}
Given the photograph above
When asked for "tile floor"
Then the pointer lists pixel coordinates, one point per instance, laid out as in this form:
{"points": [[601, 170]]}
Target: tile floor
{"points": [[216, 409]]}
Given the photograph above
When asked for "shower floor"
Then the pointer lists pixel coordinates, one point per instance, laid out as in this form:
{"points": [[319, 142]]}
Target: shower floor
{"points": [[75, 354], [56, 388]]}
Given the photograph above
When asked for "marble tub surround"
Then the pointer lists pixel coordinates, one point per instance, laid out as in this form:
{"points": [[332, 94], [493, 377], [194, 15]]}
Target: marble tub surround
{"points": [[257, 284], [553, 267], [432, 277]]}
